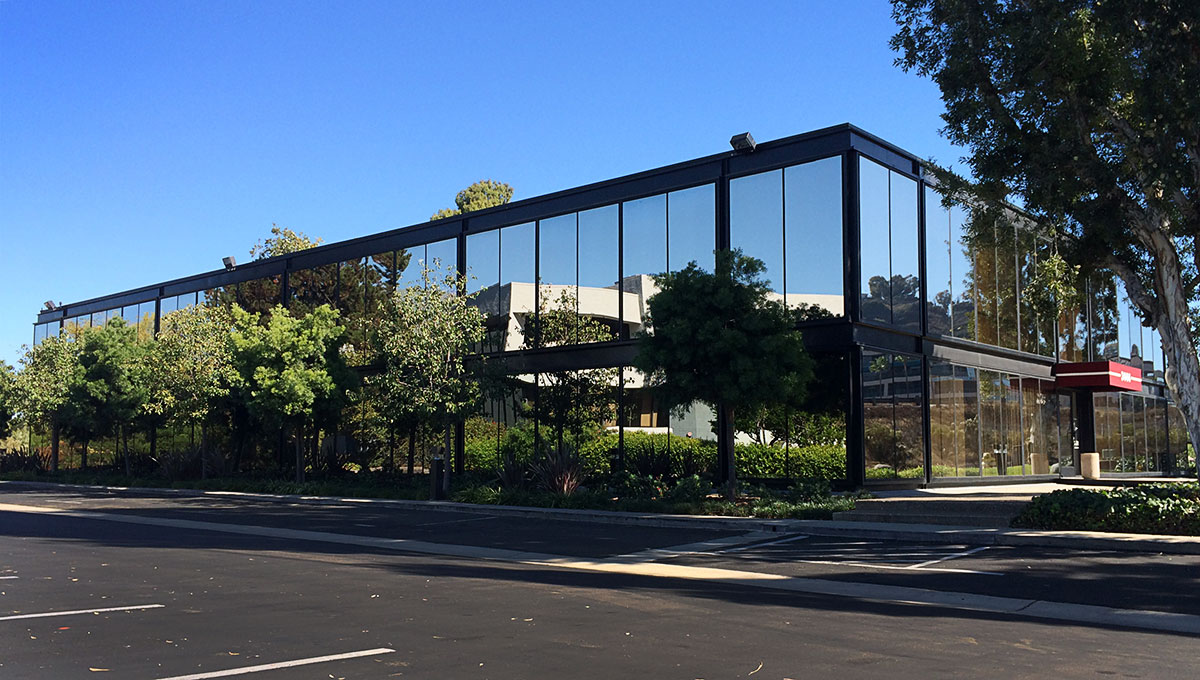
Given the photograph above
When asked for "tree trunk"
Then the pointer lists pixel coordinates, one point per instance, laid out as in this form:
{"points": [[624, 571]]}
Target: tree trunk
{"points": [[392, 450], [728, 464], [203, 450], [55, 434], [83, 456], [299, 454], [125, 446], [446, 463], [1171, 321], [412, 450]]}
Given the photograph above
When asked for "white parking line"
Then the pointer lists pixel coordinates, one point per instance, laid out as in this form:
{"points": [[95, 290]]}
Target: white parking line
{"points": [[282, 664], [964, 553], [6, 578], [789, 539], [868, 565], [42, 615]]}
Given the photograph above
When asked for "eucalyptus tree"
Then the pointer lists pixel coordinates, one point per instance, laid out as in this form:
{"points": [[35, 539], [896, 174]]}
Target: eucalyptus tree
{"points": [[1087, 114]]}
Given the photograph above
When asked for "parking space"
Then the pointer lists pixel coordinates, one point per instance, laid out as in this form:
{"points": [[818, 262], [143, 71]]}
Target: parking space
{"points": [[870, 554]]}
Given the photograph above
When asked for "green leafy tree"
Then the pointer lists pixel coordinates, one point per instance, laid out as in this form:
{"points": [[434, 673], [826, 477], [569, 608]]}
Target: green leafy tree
{"points": [[1087, 114], [719, 338], [424, 336], [43, 386], [192, 360], [111, 387], [290, 369], [282, 241], [482, 194], [8, 399], [570, 402]]}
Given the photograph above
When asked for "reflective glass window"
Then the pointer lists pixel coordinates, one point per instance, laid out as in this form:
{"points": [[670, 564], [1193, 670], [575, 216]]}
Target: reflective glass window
{"points": [[756, 222], [558, 296], [691, 227], [875, 239], [518, 279], [443, 252], [986, 284], [962, 274], [1006, 286], [644, 223], [938, 241], [599, 263], [814, 264], [905, 239]]}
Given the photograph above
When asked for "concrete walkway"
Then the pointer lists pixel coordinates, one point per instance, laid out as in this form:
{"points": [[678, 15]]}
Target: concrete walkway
{"points": [[929, 533]]}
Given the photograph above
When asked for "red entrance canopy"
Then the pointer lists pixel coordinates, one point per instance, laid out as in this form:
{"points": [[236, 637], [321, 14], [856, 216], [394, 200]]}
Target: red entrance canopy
{"points": [[1098, 376]]}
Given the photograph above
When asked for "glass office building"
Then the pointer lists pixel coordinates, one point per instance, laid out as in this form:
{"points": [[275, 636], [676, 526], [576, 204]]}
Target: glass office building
{"points": [[933, 365]]}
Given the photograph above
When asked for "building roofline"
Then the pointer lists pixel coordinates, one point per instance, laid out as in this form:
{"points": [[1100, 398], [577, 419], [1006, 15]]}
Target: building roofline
{"points": [[767, 155]]}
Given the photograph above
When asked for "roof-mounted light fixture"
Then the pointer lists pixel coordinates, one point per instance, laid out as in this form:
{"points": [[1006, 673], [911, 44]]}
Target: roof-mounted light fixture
{"points": [[229, 262], [49, 305], [743, 143]]}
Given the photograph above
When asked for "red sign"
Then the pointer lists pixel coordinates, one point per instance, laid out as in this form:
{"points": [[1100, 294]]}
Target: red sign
{"points": [[1098, 376]]}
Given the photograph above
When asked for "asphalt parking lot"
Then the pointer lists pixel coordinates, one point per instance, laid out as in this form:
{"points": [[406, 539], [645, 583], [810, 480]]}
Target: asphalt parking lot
{"points": [[374, 592]]}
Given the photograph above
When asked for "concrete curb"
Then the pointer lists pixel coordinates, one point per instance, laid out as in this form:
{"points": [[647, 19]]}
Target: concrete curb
{"points": [[921, 533]]}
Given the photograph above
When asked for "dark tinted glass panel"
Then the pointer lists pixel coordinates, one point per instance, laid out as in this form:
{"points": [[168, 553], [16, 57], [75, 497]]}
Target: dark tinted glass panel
{"points": [[875, 242], [953, 410], [311, 288], [1026, 268], [813, 234], [691, 227], [892, 397], [261, 295], [906, 280], [756, 222]]}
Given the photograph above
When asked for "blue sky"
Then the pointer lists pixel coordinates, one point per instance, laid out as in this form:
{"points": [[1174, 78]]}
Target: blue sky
{"points": [[143, 141]]}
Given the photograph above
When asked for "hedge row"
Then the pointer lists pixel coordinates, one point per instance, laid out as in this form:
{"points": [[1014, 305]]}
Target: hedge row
{"points": [[671, 456], [1158, 509]]}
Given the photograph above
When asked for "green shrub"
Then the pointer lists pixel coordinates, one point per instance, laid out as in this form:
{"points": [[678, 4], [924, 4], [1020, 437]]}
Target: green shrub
{"points": [[1158, 509], [689, 489], [809, 462], [632, 486]]}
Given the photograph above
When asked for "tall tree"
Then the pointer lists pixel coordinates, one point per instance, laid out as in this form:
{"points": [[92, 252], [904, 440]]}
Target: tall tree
{"points": [[111, 388], [425, 334], [290, 369], [482, 194], [43, 386], [718, 337], [192, 360], [1086, 113], [8, 399]]}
